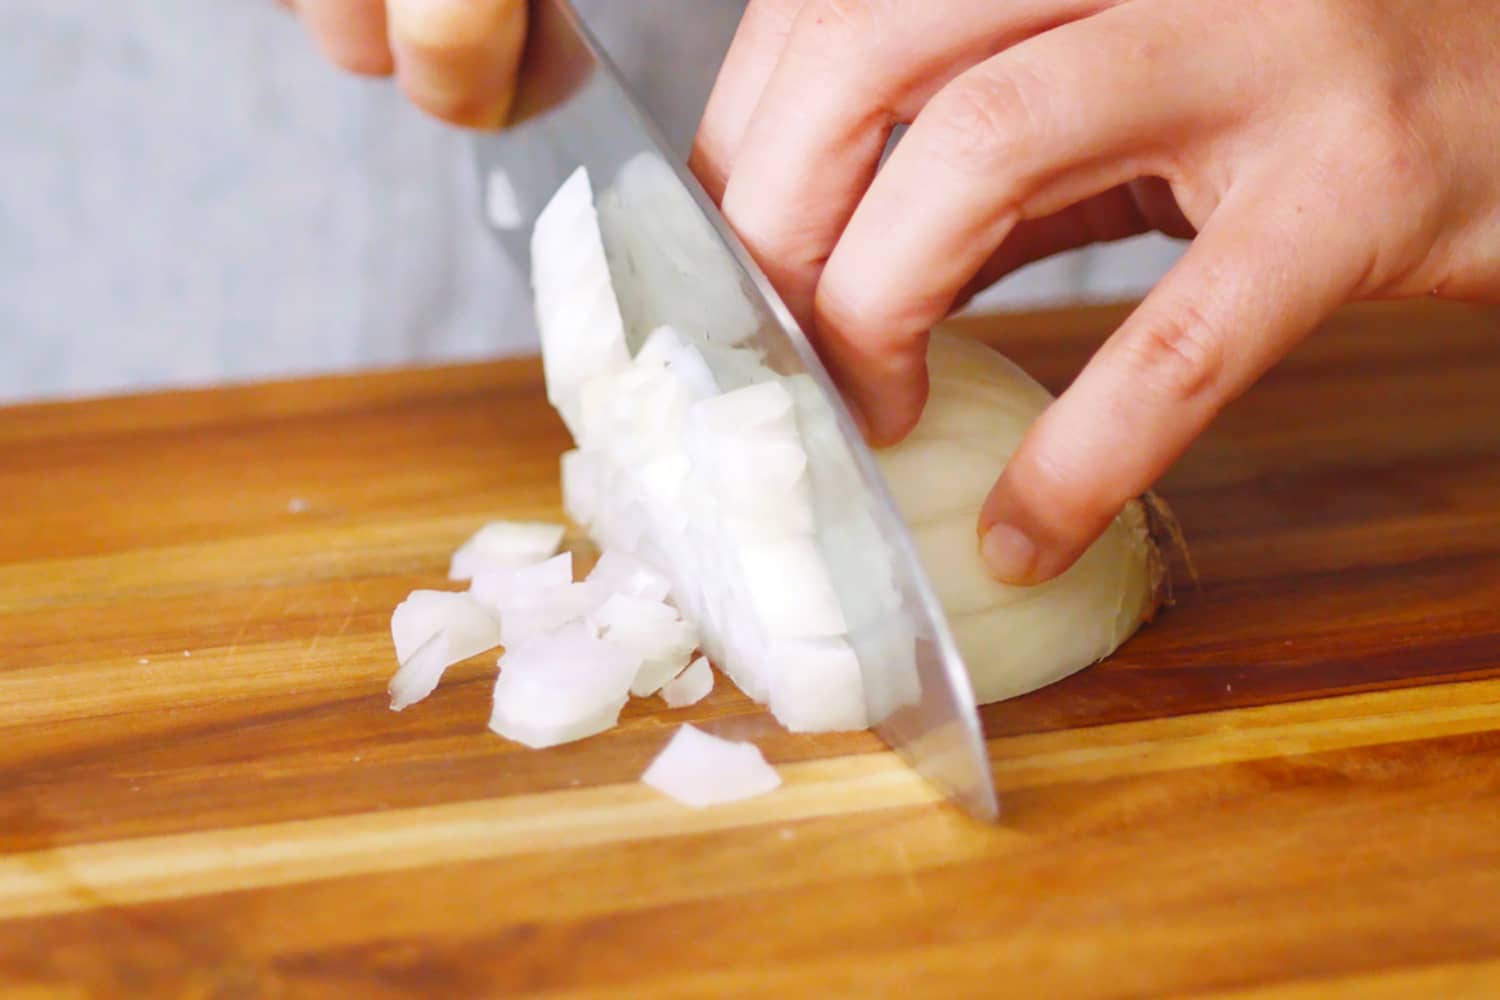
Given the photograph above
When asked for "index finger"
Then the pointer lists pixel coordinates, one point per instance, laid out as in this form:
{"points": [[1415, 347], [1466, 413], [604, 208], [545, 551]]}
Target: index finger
{"points": [[747, 67], [458, 59], [849, 73]]}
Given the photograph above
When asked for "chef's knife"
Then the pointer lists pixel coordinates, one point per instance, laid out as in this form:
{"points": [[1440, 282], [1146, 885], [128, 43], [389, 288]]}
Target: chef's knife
{"points": [[574, 109]]}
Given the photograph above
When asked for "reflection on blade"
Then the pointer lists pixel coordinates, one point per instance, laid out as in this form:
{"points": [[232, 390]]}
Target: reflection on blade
{"points": [[675, 263]]}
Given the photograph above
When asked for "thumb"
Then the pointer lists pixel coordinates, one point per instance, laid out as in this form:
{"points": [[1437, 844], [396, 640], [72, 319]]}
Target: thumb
{"points": [[1265, 270], [458, 59]]}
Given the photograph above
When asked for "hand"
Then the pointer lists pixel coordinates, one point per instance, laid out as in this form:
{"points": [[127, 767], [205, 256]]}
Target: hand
{"points": [[1321, 151], [456, 59]]}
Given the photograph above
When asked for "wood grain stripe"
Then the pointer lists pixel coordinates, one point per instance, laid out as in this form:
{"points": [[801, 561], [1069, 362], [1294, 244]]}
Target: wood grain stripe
{"points": [[87, 876], [1450, 979]]}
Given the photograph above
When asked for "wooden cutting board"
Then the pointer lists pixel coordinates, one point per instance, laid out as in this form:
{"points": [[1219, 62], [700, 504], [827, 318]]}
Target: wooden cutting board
{"points": [[1288, 786]]}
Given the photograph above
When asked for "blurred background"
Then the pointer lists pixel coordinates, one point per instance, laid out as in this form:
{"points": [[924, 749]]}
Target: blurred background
{"points": [[189, 195]]}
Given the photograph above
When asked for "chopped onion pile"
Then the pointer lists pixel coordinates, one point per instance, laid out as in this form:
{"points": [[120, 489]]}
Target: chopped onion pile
{"points": [[575, 651], [698, 770], [703, 475]]}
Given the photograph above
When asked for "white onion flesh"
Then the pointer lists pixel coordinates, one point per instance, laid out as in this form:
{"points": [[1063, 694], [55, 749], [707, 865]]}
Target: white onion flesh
{"points": [[700, 770], [653, 631], [505, 545], [680, 274], [561, 686], [576, 310], [522, 585], [713, 489], [432, 630], [689, 687], [425, 613], [1013, 639], [420, 673]]}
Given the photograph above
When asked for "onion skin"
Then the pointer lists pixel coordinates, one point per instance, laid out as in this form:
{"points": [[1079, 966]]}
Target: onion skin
{"points": [[1013, 639]]}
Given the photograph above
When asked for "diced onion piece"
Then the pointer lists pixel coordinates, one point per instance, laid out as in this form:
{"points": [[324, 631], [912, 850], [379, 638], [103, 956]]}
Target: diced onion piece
{"points": [[817, 686], [581, 472], [577, 314], [546, 613], [680, 272], [470, 628], [522, 585], [689, 687], [652, 630], [420, 673], [790, 590], [561, 686], [699, 770], [433, 630], [619, 573], [505, 545]]}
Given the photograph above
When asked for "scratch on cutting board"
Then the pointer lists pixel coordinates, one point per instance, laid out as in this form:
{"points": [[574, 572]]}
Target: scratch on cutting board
{"points": [[248, 617], [912, 888]]}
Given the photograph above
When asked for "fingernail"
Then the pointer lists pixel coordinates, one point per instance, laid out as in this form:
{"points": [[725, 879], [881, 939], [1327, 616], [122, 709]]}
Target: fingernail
{"points": [[1009, 554]]}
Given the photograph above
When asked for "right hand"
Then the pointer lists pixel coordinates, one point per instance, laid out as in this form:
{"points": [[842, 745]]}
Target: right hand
{"points": [[456, 59]]}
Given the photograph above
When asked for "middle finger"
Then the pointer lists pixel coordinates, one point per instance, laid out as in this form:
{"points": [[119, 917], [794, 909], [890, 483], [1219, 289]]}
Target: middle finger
{"points": [[850, 71]]}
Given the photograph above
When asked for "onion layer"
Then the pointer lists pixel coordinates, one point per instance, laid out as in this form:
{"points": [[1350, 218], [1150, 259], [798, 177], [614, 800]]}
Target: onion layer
{"points": [[1013, 639]]}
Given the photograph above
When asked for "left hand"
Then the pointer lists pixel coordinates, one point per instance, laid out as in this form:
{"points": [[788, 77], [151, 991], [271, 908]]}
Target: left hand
{"points": [[456, 59], [1321, 151]]}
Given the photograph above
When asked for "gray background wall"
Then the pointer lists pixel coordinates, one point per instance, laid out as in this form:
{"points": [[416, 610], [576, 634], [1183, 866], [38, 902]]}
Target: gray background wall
{"points": [[189, 195]]}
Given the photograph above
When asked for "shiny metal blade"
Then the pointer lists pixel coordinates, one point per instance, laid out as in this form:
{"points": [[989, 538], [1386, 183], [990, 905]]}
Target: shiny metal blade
{"points": [[574, 109]]}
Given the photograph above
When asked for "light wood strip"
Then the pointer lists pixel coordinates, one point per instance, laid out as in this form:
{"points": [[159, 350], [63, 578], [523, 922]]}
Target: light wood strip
{"points": [[316, 552], [87, 876], [1449, 980], [176, 680]]}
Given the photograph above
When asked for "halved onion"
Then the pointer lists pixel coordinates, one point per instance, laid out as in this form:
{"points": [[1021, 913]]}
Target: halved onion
{"points": [[1013, 639]]}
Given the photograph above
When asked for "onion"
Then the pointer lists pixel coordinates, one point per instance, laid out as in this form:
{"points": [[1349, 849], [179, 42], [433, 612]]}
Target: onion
{"points": [[433, 630], [618, 573], [679, 273], [521, 585], [576, 310], [420, 673], [652, 631], [689, 687], [1013, 639], [505, 545], [698, 770], [561, 686]]}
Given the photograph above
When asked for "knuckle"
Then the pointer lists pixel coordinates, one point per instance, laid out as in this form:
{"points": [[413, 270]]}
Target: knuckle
{"points": [[982, 118], [882, 324], [848, 34], [1402, 159], [777, 15], [851, 18], [1179, 356]]}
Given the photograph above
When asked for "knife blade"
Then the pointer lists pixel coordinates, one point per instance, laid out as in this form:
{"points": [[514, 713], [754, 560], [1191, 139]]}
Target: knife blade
{"points": [[574, 109]]}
